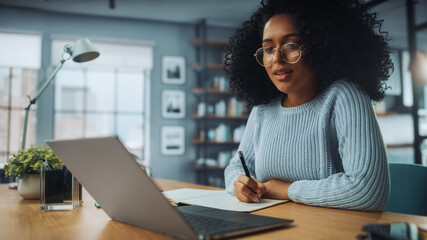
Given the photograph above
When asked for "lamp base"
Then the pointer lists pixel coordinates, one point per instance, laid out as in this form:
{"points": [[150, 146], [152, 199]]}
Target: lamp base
{"points": [[13, 185]]}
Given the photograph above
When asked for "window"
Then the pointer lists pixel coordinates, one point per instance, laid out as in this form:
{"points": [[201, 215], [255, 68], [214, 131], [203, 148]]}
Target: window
{"points": [[407, 79], [19, 64], [105, 97]]}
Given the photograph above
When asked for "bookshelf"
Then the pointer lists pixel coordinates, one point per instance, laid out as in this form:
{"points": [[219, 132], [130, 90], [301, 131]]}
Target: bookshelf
{"points": [[219, 118]]}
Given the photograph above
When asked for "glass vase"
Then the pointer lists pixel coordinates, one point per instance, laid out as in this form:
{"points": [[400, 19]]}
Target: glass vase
{"points": [[59, 189]]}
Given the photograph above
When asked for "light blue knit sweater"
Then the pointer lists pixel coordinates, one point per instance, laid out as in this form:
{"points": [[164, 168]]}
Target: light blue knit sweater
{"points": [[330, 148]]}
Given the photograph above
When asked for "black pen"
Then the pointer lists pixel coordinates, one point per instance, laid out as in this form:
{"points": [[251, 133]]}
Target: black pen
{"points": [[242, 160]]}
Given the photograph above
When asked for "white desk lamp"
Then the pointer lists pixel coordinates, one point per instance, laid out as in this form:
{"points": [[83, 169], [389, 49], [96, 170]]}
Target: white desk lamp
{"points": [[81, 51]]}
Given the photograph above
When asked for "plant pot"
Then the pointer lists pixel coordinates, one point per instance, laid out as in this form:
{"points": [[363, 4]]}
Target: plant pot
{"points": [[29, 186]]}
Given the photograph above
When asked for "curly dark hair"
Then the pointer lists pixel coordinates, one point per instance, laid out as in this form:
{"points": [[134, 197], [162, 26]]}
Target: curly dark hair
{"points": [[339, 40]]}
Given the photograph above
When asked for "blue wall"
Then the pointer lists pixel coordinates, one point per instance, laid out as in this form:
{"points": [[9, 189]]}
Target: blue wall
{"points": [[169, 39]]}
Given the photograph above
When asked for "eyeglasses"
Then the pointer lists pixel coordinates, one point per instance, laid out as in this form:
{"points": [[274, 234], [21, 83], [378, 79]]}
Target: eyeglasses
{"points": [[291, 53]]}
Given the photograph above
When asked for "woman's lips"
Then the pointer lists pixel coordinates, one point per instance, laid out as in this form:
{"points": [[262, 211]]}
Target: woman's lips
{"points": [[282, 76]]}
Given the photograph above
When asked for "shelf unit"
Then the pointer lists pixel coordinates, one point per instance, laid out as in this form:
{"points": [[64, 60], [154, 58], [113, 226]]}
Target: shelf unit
{"points": [[219, 118]]}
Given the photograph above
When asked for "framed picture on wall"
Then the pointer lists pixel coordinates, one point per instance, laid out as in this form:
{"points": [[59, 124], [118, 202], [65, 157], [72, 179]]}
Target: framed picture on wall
{"points": [[173, 104], [173, 69], [173, 140]]}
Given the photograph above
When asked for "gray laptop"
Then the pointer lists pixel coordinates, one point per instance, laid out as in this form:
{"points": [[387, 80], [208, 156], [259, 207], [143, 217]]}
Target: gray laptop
{"points": [[127, 194]]}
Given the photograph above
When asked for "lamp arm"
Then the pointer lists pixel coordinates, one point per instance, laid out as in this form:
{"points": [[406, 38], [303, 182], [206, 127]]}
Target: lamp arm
{"points": [[46, 84], [33, 101]]}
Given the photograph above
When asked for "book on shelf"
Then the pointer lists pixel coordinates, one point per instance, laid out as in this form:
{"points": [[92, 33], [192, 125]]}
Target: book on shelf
{"points": [[219, 199], [232, 107], [220, 83], [236, 108]]}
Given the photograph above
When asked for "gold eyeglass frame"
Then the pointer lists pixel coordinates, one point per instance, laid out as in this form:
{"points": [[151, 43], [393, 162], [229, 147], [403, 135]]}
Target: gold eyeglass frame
{"points": [[275, 49]]}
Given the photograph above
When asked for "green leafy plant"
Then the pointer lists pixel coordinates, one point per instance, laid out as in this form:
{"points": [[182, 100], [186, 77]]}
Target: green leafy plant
{"points": [[30, 161]]}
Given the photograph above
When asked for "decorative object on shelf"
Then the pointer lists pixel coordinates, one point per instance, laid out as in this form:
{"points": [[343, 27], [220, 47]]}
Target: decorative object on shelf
{"points": [[173, 140], [27, 165], [207, 162], [173, 69], [173, 104], [223, 133], [220, 108], [201, 109]]}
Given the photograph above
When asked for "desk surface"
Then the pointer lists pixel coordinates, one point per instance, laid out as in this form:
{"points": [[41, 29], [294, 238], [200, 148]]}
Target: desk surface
{"points": [[21, 219]]}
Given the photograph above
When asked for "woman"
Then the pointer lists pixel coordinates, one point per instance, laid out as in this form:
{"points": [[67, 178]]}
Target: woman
{"points": [[311, 69]]}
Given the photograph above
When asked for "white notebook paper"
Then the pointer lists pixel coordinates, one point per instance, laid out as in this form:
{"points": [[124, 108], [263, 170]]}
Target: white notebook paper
{"points": [[219, 199]]}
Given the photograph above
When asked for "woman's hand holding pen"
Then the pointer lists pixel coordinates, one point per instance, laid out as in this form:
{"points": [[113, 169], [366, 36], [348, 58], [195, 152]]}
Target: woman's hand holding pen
{"points": [[248, 189]]}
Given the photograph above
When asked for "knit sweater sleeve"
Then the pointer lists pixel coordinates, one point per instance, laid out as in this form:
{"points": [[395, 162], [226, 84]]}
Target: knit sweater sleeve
{"points": [[234, 169], [364, 184]]}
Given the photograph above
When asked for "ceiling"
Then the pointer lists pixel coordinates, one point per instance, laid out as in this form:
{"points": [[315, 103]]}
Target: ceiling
{"points": [[217, 12], [229, 13]]}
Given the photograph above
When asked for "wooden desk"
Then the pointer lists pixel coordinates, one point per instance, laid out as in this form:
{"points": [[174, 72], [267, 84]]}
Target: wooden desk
{"points": [[21, 219]]}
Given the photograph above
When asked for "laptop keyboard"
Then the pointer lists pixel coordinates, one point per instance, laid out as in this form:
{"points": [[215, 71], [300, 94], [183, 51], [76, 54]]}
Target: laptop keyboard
{"points": [[206, 225]]}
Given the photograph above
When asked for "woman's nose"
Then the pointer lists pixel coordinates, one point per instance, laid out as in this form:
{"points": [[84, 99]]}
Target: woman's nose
{"points": [[277, 56]]}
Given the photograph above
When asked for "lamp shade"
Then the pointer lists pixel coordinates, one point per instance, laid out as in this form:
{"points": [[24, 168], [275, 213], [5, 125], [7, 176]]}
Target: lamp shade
{"points": [[84, 51]]}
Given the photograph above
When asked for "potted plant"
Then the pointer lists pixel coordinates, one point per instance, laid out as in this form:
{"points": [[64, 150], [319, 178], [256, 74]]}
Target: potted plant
{"points": [[27, 165]]}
